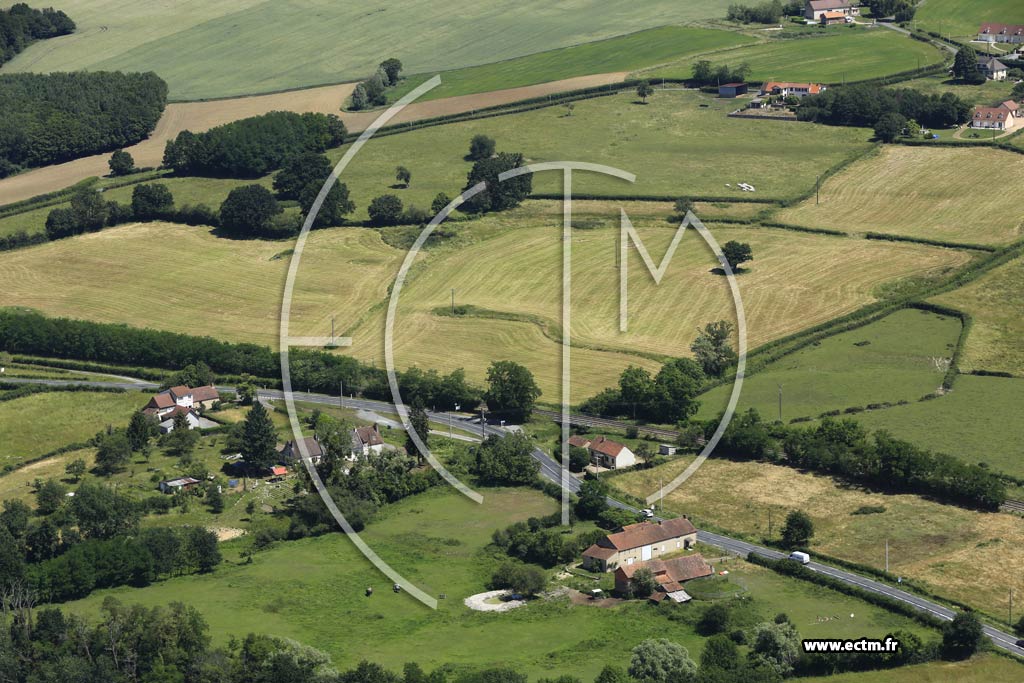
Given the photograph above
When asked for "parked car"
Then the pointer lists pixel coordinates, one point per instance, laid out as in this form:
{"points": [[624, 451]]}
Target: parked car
{"points": [[647, 512], [802, 558]]}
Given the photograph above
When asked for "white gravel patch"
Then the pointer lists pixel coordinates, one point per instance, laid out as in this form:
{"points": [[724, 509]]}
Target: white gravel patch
{"points": [[480, 603]]}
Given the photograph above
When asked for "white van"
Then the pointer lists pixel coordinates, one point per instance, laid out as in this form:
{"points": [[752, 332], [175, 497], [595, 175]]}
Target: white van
{"points": [[802, 558]]}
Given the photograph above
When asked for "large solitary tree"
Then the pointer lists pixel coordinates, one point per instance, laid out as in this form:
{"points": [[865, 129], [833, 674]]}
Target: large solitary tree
{"points": [[737, 253], [712, 350], [248, 210], [965, 65], [121, 163], [511, 389], [499, 195], [259, 438], [797, 530]]}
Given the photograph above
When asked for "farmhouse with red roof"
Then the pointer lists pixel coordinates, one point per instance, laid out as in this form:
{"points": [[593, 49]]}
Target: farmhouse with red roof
{"points": [[639, 543], [670, 575]]}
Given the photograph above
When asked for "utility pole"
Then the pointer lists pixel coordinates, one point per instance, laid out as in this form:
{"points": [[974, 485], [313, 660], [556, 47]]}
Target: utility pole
{"points": [[887, 556], [1011, 608], [769, 523], [341, 393], [332, 331], [817, 190], [483, 426], [453, 301], [780, 403]]}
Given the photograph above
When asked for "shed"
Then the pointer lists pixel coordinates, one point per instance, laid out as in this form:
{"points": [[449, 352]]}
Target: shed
{"points": [[666, 449], [278, 471], [732, 89]]}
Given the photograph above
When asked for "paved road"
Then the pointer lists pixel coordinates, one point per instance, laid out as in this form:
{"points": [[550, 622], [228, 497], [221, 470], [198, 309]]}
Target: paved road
{"points": [[550, 470]]}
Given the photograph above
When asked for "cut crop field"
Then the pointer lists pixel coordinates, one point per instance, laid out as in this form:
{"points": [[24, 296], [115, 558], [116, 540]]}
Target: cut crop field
{"points": [[978, 421], [961, 18], [984, 668], [901, 357], [961, 554], [921, 192], [796, 280], [620, 54], [995, 300], [207, 50], [312, 590], [36, 424], [845, 54]]}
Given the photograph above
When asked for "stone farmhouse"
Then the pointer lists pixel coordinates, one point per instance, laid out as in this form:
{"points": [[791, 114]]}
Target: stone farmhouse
{"points": [[639, 543], [814, 9], [366, 440], [992, 32], [290, 451], [604, 452], [191, 418], [183, 396], [670, 576]]}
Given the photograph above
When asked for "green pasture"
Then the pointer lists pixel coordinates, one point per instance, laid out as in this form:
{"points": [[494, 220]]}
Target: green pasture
{"points": [[898, 358], [845, 54], [960, 19]]}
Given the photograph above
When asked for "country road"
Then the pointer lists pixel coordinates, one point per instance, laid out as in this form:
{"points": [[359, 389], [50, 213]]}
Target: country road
{"points": [[551, 470]]}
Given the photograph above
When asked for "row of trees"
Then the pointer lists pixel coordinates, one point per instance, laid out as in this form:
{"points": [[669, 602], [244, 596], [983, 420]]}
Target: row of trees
{"points": [[89, 212], [706, 73], [901, 10], [765, 13], [252, 147], [845, 449], [867, 105], [373, 91], [50, 118], [21, 25]]}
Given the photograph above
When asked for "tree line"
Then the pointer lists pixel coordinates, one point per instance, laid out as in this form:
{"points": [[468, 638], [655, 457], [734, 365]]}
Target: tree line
{"points": [[252, 147], [868, 105], [845, 449], [21, 25], [50, 118], [373, 91], [68, 547]]}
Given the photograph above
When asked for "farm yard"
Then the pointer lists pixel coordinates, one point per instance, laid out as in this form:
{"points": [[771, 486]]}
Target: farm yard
{"points": [[312, 590], [843, 54], [958, 553], [921, 192], [994, 300], [901, 357], [218, 50]]}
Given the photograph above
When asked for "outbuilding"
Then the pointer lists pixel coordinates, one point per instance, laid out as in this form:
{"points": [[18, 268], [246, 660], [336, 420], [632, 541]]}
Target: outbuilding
{"points": [[732, 89]]}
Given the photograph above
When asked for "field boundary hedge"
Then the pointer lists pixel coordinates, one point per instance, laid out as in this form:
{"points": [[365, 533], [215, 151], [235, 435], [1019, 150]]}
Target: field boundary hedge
{"points": [[889, 237], [48, 199]]}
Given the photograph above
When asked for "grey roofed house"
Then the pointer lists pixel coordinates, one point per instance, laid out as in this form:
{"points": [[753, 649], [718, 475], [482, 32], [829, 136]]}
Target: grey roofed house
{"points": [[366, 439], [993, 69], [815, 8], [290, 450]]}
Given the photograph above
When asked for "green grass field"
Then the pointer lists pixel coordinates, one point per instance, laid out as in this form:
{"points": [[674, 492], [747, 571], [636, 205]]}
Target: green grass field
{"points": [[206, 50], [312, 590], [979, 421], [984, 668], [848, 54], [961, 18], [904, 357], [37, 424], [960, 554], [920, 192], [985, 94], [996, 342], [624, 53]]}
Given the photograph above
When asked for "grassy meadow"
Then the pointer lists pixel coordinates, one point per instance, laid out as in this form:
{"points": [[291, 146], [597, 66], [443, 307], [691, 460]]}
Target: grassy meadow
{"points": [[978, 421], [901, 357], [312, 590], [984, 668], [39, 423], [844, 53], [961, 18], [920, 192], [960, 554], [996, 342], [208, 50], [984, 94], [624, 53]]}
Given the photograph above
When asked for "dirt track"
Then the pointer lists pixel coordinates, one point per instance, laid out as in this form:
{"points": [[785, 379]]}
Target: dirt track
{"points": [[200, 116]]}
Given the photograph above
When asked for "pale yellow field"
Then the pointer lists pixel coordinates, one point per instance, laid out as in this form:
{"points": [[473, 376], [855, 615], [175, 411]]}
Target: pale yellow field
{"points": [[996, 342], [186, 280], [957, 195], [970, 556]]}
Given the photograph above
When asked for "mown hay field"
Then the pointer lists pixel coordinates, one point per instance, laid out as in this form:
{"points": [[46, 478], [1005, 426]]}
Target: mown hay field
{"points": [[209, 50], [844, 54], [961, 554], [961, 18], [932, 193], [506, 266]]}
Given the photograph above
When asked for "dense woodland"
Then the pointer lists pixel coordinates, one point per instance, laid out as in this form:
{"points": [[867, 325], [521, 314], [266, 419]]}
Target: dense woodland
{"points": [[865, 105], [252, 147], [21, 25], [50, 118]]}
